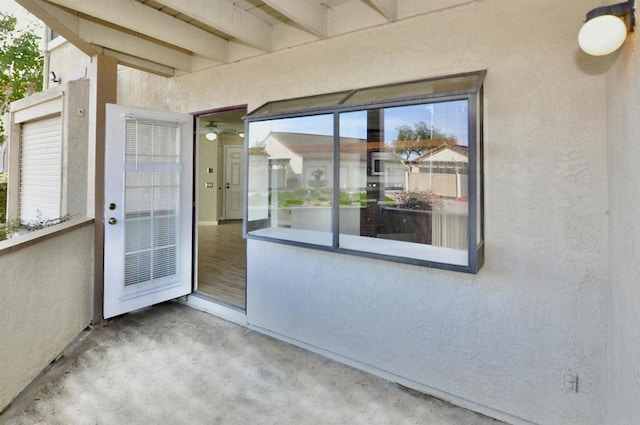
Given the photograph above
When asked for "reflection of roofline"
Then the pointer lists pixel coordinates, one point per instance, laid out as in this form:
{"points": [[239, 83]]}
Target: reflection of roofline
{"points": [[462, 150], [424, 143], [347, 144], [257, 150]]}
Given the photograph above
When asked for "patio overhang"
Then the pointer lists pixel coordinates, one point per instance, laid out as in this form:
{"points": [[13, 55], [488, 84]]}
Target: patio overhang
{"points": [[171, 37]]}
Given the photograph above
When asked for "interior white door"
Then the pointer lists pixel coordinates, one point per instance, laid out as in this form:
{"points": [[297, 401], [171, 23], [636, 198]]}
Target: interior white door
{"points": [[148, 208], [233, 182]]}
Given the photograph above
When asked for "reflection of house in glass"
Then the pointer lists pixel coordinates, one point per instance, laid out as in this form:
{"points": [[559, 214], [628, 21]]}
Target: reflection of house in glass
{"points": [[304, 155], [301, 155], [442, 171], [381, 195]]}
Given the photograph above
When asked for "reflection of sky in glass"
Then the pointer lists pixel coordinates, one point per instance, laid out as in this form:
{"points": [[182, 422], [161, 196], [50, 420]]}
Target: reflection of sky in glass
{"points": [[315, 124], [449, 118]]}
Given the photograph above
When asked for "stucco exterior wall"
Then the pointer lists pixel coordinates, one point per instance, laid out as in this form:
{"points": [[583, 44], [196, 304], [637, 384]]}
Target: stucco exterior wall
{"points": [[44, 301], [76, 131], [71, 101], [623, 116], [67, 62], [497, 341]]}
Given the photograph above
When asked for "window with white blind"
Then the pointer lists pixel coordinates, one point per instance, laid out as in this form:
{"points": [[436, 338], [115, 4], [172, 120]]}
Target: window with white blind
{"points": [[152, 171], [40, 170]]}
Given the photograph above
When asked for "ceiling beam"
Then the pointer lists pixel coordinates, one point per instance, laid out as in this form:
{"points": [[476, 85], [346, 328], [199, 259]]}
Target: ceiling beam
{"points": [[228, 18], [153, 23], [41, 9], [388, 8], [308, 14], [138, 63], [117, 41]]}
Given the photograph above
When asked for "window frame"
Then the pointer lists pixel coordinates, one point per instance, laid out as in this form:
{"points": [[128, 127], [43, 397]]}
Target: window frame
{"points": [[475, 220]]}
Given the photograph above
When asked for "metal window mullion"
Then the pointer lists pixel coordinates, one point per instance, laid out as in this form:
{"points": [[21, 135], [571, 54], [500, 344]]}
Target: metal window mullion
{"points": [[335, 211], [472, 229]]}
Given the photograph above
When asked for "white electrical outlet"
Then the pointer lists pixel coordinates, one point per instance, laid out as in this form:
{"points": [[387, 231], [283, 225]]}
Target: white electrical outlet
{"points": [[570, 380]]}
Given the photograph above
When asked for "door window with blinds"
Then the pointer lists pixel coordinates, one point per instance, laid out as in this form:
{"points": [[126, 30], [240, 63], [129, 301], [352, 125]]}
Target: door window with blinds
{"points": [[148, 207], [151, 200], [40, 170]]}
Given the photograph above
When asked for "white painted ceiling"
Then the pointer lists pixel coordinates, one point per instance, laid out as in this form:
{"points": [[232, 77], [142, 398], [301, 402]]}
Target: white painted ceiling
{"points": [[171, 37]]}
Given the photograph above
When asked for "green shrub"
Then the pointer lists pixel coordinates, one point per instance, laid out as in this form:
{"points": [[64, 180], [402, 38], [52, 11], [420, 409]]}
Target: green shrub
{"points": [[8, 229], [345, 200], [291, 202]]}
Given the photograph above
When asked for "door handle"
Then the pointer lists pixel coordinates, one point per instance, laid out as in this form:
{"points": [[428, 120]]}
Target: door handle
{"points": [[112, 220]]}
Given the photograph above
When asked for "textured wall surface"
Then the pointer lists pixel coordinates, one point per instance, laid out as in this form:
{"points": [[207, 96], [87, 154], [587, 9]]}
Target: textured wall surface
{"points": [[44, 303], [623, 109], [76, 126], [67, 62], [540, 305]]}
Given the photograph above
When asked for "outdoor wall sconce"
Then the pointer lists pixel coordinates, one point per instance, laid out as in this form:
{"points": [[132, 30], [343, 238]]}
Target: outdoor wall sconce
{"points": [[606, 28]]}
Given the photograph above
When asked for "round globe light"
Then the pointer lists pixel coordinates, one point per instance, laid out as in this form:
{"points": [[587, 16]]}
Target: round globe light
{"points": [[602, 35], [211, 136]]}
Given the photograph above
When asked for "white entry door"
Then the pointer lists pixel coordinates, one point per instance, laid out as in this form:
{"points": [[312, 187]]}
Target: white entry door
{"points": [[233, 182], [148, 208]]}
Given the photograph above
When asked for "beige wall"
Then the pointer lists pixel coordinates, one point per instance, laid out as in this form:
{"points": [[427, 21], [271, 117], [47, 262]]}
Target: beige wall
{"points": [[208, 157], [76, 129], [67, 62], [623, 117], [44, 300], [499, 341], [71, 101], [540, 303]]}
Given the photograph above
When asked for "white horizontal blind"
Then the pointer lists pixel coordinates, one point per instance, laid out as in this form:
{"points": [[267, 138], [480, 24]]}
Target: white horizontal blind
{"points": [[152, 201], [40, 169]]}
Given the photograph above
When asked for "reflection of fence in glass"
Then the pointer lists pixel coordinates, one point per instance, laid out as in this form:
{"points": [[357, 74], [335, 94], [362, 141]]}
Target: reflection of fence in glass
{"points": [[448, 185], [409, 217]]}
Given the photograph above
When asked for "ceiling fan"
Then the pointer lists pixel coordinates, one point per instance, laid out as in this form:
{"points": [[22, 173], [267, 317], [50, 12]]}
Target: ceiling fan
{"points": [[211, 131]]}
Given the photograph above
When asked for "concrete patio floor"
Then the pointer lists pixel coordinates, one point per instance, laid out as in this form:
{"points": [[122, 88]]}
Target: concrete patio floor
{"points": [[170, 364]]}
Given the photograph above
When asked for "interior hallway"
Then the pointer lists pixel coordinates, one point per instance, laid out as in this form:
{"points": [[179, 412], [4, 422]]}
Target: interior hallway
{"points": [[170, 364]]}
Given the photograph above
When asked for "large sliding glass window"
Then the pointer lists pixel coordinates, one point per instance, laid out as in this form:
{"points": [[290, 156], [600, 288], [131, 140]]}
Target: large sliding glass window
{"points": [[390, 172]]}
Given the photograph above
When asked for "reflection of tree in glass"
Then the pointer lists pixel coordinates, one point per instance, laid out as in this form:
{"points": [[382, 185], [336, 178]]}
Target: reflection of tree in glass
{"points": [[419, 139]]}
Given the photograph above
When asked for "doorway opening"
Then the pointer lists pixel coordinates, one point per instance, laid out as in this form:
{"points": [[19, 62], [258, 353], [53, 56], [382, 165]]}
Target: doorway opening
{"points": [[220, 251]]}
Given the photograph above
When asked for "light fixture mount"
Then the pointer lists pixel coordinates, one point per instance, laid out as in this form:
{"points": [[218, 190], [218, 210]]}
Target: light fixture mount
{"points": [[606, 28], [624, 11]]}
